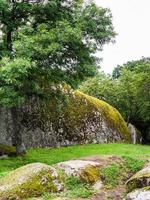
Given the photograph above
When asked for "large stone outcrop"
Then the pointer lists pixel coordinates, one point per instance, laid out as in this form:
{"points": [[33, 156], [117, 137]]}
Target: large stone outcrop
{"points": [[83, 119], [31, 180]]}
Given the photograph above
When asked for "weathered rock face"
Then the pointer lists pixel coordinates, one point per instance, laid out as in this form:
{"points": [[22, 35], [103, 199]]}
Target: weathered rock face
{"points": [[30, 181], [5, 126], [140, 194], [135, 134], [84, 119]]}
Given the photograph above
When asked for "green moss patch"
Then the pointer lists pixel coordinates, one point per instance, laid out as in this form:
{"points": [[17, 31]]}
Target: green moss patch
{"points": [[7, 150], [90, 174]]}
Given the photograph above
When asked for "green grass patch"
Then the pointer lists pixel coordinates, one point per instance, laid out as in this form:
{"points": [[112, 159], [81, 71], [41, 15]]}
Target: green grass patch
{"points": [[133, 159], [114, 174], [133, 164], [3, 174], [110, 175], [54, 155], [76, 188]]}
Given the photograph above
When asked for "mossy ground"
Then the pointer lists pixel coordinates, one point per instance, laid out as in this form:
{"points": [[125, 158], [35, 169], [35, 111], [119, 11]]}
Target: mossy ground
{"points": [[75, 189], [133, 159]]}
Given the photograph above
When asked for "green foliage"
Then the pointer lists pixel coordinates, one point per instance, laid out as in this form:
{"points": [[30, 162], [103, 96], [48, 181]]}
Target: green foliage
{"points": [[13, 14], [101, 87], [13, 80], [47, 43], [110, 175], [35, 33]]}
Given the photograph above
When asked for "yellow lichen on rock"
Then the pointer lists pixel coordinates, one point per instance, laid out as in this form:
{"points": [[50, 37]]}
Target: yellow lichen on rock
{"points": [[112, 116], [83, 108], [81, 119]]}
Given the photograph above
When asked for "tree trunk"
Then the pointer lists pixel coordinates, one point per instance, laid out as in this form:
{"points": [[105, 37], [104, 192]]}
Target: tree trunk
{"points": [[9, 41], [17, 137]]}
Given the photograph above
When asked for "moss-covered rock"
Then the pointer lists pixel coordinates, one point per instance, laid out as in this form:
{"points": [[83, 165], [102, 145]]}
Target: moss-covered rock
{"points": [[75, 167], [90, 174], [86, 171], [83, 119], [7, 150], [140, 180], [31, 180]]}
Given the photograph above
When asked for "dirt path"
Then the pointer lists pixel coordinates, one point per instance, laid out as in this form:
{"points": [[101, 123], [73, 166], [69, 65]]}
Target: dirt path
{"points": [[114, 194]]}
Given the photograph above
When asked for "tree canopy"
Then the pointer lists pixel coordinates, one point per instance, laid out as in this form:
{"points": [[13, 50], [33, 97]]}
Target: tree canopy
{"points": [[46, 43], [54, 41]]}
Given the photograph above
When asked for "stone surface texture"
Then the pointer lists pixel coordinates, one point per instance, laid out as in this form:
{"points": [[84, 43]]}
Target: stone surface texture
{"points": [[139, 195], [83, 119], [74, 167]]}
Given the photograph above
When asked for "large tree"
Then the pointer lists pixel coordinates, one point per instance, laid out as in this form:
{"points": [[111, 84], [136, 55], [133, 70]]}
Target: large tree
{"points": [[53, 42]]}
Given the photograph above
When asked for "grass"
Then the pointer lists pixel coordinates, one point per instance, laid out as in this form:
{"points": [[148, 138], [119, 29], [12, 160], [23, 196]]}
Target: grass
{"points": [[111, 175], [55, 155], [133, 164], [115, 173], [134, 157]]}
